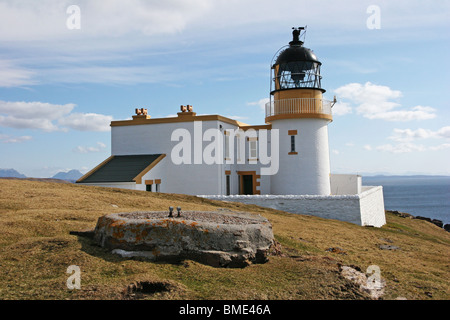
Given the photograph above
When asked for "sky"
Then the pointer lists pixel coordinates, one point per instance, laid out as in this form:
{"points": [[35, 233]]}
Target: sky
{"points": [[68, 68]]}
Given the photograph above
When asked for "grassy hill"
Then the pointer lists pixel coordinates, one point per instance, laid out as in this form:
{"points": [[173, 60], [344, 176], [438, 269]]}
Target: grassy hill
{"points": [[36, 248]]}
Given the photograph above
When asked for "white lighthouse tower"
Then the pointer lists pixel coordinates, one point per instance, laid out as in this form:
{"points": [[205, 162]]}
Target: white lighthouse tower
{"points": [[298, 110]]}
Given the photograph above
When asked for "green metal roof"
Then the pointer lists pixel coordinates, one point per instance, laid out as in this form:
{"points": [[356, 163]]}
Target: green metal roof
{"points": [[120, 169]]}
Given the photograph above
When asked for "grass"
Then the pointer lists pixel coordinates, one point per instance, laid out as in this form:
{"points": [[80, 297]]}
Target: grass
{"points": [[36, 248]]}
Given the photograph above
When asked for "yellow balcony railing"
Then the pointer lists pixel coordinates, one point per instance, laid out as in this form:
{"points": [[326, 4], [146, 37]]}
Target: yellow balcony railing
{"points": [[305, 106]]}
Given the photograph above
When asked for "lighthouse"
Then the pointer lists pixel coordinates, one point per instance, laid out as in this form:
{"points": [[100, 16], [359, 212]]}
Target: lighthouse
{"points": [[297, 109], [217, 157]]}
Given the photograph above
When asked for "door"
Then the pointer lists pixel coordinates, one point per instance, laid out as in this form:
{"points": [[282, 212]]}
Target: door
{"points": [[247, 184]]}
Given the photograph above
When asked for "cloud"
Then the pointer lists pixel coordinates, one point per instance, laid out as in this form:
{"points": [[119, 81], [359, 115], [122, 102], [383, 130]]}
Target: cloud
{"points": [[440, 147], [404, 135], [115, 74], [81, 149], [401, 148], [416, 113], [49, 117], [406, 138], [46, 19], [4, 138], [408, 147], [14, 76], [367, 147], [375, 102], [86, 122], [341, 108], [32, 115], [119, 39], [260, 103]]}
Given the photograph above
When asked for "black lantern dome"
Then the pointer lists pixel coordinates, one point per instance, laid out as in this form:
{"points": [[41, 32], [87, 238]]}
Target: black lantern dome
{"points": [[297, 66]]}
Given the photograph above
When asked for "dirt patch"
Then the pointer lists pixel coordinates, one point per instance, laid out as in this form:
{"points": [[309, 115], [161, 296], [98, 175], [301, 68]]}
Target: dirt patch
{"points": [[150, 289]]}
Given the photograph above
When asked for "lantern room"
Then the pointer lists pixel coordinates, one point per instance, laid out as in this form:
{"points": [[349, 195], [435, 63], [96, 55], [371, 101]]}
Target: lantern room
{"points": [[296, 89], [296, 66]]}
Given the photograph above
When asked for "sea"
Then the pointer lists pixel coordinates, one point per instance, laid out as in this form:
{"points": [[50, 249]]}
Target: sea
{"points": [[426, 196]]}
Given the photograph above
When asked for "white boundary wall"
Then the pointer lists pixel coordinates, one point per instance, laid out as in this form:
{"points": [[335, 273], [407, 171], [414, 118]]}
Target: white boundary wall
{"points": [[342, 184], [365, 208]]}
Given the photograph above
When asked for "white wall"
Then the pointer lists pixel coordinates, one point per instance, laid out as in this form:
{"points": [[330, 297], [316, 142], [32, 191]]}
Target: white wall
{"points": [[120, 185], [175, 178], [372, 207], [308, 172], [342, 184], [186, 178], [365, 209]]}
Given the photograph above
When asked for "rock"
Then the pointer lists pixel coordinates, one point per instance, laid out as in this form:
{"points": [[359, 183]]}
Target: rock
{"points": [[372, 285], [402, 214], [216, 239], [388, 247], [447, 227], [276, 249], [423, 218], [336, 250], [437, 222]]}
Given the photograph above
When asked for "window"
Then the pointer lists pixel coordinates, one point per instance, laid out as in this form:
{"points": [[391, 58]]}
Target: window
{"points": [[227, 146], [228, 185], [149, 185], [238, 147], [158, 185], [292, 134], [253, 150]]}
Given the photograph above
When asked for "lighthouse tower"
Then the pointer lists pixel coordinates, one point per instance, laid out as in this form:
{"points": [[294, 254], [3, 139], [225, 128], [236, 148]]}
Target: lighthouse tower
{"points": [[301, 115]]}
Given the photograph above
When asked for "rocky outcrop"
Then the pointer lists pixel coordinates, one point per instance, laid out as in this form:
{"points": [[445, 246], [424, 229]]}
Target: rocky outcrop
{"points": [[212, 238], [369, 282], [436, 222]]}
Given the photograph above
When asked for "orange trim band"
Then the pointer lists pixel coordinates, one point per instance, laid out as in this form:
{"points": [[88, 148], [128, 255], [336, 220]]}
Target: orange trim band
{"points": [[300, 116], [186, 117]]}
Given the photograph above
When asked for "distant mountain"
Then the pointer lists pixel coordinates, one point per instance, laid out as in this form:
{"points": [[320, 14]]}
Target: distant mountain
{"points": [[72, 175], [11, 173]]}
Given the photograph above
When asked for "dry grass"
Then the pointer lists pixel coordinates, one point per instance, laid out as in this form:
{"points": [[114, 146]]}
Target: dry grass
{"points": [[36, 249]]}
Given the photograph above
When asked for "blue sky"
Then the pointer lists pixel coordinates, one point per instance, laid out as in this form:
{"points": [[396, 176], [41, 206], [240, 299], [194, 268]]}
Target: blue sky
{"points": [[61, 87]]}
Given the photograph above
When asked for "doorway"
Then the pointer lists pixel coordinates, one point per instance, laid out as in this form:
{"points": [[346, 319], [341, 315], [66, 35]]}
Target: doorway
{"points": [[247, 184]]}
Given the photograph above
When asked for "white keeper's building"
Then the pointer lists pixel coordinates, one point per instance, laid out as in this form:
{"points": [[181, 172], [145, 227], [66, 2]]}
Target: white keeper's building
{"points": [[212, 155]]}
